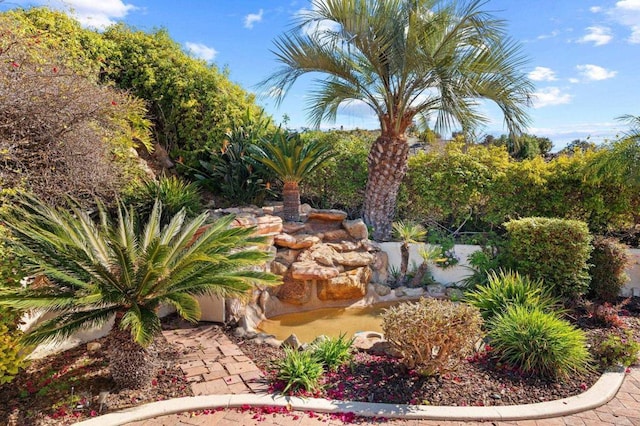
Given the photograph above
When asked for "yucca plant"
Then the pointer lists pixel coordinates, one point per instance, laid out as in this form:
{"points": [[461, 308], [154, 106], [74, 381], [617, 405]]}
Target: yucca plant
{"points": [[299, 370], [407, 233], [430, 254], [539, 342], [291, 159], [507, 288], [116, 267]]}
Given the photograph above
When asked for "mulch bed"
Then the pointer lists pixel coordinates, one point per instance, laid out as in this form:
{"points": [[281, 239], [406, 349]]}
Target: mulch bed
{"points": [[63, 389]]}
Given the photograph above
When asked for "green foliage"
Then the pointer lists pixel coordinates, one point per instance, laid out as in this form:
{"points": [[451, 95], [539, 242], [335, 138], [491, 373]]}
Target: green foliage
{"points": [[538, 342], [508, 288], [522, 147], [555, 251], [192, 103], [119, 266], [340, 181], [482, 264], [13, 354], [231, 172], [300, 370], [618, 350], [173, 192], [333, 352], [408, 232], [432, 335], [608, 263]]}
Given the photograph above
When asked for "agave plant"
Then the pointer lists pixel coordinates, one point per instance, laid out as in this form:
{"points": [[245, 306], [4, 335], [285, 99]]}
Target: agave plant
{"points": [[292, 159], [407, 233], [117, 268]]}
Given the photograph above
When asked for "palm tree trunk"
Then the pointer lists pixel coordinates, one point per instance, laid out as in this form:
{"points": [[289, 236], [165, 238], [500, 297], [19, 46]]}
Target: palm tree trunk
{"points": [[404, 262], [420, 273], [387, 163], [291, 199], [131, 365]]}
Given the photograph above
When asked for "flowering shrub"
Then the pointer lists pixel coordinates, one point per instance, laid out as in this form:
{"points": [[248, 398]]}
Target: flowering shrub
{"points": [[432, 335]]}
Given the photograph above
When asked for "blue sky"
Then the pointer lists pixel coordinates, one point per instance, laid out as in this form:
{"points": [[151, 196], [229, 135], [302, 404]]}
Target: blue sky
{"points": [[583, 54]]}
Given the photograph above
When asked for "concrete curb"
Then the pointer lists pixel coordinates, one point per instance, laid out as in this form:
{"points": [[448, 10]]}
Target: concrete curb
{"points": [[599, 394]]}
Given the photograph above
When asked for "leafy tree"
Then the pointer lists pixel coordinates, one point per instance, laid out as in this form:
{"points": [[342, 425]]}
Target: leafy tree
{"points": [[404, 59], [192, 103], [524, 146], [578, 145], [118, 267], [292, 159]]}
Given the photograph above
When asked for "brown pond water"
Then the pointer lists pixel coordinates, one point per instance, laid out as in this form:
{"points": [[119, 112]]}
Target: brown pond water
{"points": [[331, 322]]}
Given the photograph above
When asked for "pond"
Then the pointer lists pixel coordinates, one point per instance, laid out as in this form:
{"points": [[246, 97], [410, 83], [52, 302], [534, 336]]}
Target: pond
{"points": [[327, 321]]}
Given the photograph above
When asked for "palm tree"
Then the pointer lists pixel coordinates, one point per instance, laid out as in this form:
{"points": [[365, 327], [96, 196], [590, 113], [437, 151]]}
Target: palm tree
{"points": [[407, 233], [406, 60], [117, 268], [291, 159]]}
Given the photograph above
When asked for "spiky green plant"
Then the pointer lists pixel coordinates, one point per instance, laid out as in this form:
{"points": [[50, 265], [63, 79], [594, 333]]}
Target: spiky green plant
{"points": [[333, 352], [291, 159], [299, 370], [118, 267], [539, 342], [407, 233], [429, 254], [507, 288]]}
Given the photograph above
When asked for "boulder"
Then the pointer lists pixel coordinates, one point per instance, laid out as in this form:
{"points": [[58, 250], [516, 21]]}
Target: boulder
{"points": [[244, 220], [296, 242], [355, 259], [348, 285], [93, 346], [268, 225], [325, 255], [336, 235], [409, 292], [364, 340], [436, 289], [327, 215], [381, 289], [344, 246], [454, 293], [293, 291], [278, 268], [357, 229], [291, 342], [307, 270], [380, 267], [293, 227], [287, 257]]}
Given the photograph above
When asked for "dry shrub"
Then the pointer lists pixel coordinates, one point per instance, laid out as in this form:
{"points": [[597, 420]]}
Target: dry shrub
{"points": [[432, 335], [62, 133]]}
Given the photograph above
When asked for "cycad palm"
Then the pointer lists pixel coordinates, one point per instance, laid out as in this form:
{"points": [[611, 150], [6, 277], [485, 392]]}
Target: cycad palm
{"points": [[116, 267], [405, 59], [292, 159]]}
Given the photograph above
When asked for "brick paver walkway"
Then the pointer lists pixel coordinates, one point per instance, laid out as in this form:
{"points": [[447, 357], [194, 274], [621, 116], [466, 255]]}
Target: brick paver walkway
{"points": [[220, 367]]}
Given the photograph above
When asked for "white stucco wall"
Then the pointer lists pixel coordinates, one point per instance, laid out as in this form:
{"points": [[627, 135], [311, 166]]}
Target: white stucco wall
{"points": [[632, 288]]}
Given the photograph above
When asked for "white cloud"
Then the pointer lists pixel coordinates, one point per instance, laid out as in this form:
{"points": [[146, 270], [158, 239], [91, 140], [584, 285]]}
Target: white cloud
{"points": [[574, 80], [201, 51], [253, 18], [598, 35], [542, 74], [96, 14], [595, 72], [317, 28], [550, 96], [628, 4], [552, 34], [595, 9], [634, 38]]}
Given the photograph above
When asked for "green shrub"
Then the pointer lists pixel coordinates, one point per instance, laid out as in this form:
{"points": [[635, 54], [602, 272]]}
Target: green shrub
{"points": [[538, 342], [505, 289], [332, 353], [618, 350], [299, 370], [481, 264], [174, 193], [432, 335], [555, 251], [608, 262]]}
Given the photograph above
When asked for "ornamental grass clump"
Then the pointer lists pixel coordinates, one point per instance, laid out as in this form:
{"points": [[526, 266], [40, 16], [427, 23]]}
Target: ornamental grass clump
{"points": [[299, 370], [432, 335], [508, 288], [332, 352], [538, 342]]}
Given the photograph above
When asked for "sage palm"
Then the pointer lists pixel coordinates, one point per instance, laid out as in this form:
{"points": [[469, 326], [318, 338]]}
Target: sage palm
{"points": [[117, 267], [292, 159], [406, 60]]}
